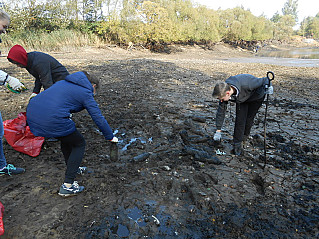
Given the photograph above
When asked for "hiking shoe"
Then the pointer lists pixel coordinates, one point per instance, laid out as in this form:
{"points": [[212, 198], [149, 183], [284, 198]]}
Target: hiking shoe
{"points": [[11, 170], [71, 191], [237, 149], [82, 170]]}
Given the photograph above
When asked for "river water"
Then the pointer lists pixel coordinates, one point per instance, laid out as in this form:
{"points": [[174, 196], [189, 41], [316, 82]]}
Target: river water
{"points": [[301, 57]]}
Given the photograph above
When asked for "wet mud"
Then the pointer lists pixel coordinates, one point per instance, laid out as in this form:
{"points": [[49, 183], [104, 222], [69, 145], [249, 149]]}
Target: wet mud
{"points": [[171, 180]]}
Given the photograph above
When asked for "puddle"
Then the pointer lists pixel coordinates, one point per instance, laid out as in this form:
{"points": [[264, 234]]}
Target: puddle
{"points": [[301, 53], [149, 221], [121, 231], [136, 215], [277, 61], [301, 57]]}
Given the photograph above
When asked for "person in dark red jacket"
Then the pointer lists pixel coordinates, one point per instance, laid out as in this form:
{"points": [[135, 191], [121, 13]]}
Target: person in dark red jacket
{"points": [[49, 115], [45, 68]]}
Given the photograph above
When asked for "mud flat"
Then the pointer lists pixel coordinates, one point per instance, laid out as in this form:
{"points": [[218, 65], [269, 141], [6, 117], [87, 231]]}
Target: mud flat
{"points": [[171, 180]]}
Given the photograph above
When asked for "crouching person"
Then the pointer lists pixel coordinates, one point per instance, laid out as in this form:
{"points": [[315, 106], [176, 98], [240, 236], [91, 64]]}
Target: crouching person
{"points": [[48, 115]]}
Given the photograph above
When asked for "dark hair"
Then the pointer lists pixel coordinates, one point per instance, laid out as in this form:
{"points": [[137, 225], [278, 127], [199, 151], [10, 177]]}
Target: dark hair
{"points": [[93, 79], [220, 89]]}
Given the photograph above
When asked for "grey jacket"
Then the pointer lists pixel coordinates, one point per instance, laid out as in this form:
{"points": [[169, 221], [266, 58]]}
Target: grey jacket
{"points": [[250, 88]]}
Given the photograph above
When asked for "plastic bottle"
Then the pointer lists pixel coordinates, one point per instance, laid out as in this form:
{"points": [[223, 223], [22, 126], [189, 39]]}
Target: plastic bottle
{"points": [[114, 152]]}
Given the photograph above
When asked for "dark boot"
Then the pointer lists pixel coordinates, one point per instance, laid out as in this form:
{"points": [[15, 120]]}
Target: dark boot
{"points": [[237, 149]]}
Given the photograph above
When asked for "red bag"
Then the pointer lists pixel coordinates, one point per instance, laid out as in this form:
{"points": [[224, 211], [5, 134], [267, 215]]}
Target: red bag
{"points": [[1, 222], [19, 136]]}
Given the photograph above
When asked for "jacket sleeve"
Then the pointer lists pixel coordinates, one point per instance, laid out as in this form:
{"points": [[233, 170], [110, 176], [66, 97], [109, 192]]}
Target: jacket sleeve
{"points": [[220, 115], [96, 115], [45, 75], [37, 86]]}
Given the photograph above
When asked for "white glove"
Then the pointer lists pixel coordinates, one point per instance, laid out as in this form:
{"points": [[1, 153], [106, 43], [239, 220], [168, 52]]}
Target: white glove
{"points": [[32, 95], [114, 140], [15, 84], [3, 76], [217, 136], [269, 90]]}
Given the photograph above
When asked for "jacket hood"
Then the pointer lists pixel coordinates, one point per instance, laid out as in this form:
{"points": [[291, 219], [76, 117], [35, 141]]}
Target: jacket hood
{"points": [[79, 78], [18, 54]]}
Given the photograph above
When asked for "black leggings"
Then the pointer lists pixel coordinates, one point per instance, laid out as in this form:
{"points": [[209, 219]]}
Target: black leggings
{"points": [[73, 147], [245, 114]]}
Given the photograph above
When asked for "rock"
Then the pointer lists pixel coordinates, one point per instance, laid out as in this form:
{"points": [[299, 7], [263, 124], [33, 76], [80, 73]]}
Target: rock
{"points": [[200, 119], [141, 157]]}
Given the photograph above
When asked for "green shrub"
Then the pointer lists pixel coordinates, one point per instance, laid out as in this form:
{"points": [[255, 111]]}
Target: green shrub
{"points": [[56, 40]]}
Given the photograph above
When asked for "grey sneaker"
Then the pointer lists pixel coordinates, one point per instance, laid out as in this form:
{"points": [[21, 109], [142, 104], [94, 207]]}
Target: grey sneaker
{"points": [[71, 191], [11, 170], [82, 170]]}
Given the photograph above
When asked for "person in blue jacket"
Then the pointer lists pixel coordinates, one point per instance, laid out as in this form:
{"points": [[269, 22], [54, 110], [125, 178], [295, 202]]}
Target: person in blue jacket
{"points": [[49, 115], [248, 92]]}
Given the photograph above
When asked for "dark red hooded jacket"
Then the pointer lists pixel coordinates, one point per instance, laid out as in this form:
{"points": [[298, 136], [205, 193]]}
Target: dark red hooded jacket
{"points": [[45, 68]]}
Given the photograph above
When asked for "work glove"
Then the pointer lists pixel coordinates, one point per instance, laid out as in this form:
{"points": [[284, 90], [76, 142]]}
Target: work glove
{"points": [[114, 140], [15, 84], [218, 136], [269, 90], [32, 95]]}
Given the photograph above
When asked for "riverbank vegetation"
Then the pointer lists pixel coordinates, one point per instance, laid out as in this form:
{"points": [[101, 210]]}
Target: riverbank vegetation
{"points": [[54, 24]]}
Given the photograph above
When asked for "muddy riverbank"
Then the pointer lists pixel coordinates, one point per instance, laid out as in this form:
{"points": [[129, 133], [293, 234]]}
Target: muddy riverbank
{"points": [[171, 180]]}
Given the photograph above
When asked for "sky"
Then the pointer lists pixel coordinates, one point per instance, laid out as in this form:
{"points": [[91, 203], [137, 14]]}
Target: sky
{"points": [[305, 8]]}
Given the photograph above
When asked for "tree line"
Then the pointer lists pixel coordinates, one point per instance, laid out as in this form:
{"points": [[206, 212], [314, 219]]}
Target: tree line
{"points": [[149, 21]]}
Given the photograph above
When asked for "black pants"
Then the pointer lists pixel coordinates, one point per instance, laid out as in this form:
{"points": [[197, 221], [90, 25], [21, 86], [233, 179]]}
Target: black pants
{"points": [[245, 114], [73, 147]]}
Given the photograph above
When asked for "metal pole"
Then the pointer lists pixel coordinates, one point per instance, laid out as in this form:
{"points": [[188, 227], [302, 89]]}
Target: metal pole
{"points": [[270, 78]]}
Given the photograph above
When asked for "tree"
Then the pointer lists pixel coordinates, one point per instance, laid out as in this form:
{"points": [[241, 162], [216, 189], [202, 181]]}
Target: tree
{"points": [[262, 29], [156, 23], [236, 24], [312, 28], [303, 26], [290, 8], [275, 17], [284, 27]]}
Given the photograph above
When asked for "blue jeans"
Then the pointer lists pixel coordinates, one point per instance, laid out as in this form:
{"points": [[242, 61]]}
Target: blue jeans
{"points": [[3, 161]]}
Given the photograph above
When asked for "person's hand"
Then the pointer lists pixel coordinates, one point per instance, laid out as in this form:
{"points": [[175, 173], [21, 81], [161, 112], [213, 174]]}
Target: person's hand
{"points": [[217, 136], [114, 140], [269, 90], [32, 95], [15, 84]]}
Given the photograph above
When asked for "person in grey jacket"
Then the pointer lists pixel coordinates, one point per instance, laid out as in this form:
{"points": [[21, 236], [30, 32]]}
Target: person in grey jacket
{"points": [[16, 85], [45, 68], [248, 92]]}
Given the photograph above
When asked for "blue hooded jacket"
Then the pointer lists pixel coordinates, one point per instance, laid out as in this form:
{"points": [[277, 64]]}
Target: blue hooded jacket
{"points": [[48, 113]]}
